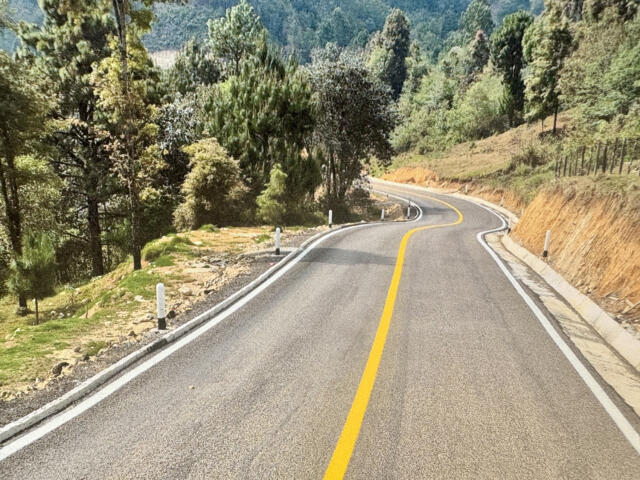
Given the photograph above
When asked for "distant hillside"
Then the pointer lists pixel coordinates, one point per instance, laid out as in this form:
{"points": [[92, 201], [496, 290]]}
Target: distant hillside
{"points": [[301, 24]]}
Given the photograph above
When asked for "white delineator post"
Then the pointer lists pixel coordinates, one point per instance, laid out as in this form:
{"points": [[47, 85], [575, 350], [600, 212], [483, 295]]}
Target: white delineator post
{"points": [[278, 241], [160, 300], [547, 240], [382, 216], [330, 218], [466, 189]]}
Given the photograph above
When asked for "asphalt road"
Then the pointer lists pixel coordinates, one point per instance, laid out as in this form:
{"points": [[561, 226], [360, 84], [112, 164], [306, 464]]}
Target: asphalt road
{"points": [[469, 384]]}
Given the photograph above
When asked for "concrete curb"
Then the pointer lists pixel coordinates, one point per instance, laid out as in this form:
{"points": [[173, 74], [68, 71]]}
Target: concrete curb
{"points": [[61, 403], [611, 331]]}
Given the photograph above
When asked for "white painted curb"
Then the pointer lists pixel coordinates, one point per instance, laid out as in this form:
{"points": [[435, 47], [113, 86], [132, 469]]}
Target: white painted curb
{"points": [[61, 403], [611, 331]]}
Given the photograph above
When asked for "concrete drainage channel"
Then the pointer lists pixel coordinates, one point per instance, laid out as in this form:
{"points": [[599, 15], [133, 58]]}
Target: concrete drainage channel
{"points": [[56, 406]]}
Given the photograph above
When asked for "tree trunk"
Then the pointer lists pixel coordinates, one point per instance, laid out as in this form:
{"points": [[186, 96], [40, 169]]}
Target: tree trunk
{"points": [[37, 312], [95, 242], [9, 188], [555, 119], [135, 231], [120, 8]]}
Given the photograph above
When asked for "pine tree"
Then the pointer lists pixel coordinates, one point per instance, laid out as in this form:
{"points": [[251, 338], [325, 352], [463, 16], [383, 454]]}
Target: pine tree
{"points": [[236, 36], [546, 44], [68, 45], [508, 59], [394, 45], [271, 202], [478, 56], [23, 110], [33, 273], [476, 17], [264, 116]]}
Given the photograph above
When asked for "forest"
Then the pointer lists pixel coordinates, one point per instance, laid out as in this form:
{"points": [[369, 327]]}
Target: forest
{"points": [[270, 114]]}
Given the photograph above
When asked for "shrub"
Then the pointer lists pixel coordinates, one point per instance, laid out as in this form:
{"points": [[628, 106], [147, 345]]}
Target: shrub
{"points": [[271, 205], [208, 186], [165, 246]]}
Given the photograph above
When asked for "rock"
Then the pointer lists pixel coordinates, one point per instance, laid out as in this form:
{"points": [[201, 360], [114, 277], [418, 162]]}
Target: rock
{"points": [[139, 298], [132, 333], [186, 291], [208, 291], [77, 349], [61, 315], [149, 317], [56, 370], [171, 314], [192, 387]]}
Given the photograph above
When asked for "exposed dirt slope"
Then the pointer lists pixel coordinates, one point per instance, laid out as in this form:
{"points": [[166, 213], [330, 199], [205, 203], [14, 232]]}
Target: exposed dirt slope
{"points": [[595, 240]]}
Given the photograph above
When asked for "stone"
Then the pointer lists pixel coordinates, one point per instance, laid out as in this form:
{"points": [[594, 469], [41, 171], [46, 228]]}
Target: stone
{"points": [[57, 369], [132, 333], [186, 291], [77, 349], [139, 298], [171, 314]]}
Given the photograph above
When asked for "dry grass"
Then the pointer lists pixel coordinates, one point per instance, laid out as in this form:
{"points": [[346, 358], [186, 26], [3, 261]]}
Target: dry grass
{"points": [[472, 160]]}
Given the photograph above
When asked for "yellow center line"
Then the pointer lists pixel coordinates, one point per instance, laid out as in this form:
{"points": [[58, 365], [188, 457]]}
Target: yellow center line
{"points": [[347, 441]]}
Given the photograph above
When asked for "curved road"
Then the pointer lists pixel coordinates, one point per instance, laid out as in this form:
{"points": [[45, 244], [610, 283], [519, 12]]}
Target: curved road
{"points": [[469, 384]]}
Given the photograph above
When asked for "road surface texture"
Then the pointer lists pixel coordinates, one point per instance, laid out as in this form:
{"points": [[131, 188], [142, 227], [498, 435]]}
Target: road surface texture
{"points": [[469, 384]]}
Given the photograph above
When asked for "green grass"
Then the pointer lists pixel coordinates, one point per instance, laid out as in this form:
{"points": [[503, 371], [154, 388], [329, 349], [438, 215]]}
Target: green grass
{"points": [[166, 245], [163, 261], [265, 237], [92, 348], [209, 228], [140, 282]]}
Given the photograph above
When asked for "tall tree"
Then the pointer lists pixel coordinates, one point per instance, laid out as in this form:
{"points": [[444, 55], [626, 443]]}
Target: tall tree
{"points": [[508, 59], [23, 111], [236, 35], [264, 116], [355, 118], [546, 44], [478, 56], [131, 117], [68, 44], [394, 44], [195, 65], [476, 17]]}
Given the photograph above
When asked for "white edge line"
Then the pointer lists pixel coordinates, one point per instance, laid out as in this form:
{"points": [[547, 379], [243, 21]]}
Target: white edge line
{"points": [[614, 412], [54, 422]]}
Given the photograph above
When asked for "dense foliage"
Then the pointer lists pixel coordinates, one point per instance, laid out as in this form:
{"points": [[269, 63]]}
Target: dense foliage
{"points": [[272, 112]]}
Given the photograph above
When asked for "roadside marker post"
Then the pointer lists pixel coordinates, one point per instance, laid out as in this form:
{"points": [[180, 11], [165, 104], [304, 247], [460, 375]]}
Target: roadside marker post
{"points": [[382, 216], [160, 300], [278, 241], [409, 209], [330, 218], [547, 239]]}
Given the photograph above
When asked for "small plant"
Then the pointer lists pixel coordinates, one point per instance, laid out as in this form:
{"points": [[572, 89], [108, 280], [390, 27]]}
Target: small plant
{"points": [[33, 273], [209, 228], [164, 246], [264, 237]]}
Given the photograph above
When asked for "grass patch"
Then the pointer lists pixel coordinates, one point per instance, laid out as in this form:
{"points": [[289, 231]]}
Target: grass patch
{"points": [[163, 261], [92, 348], [209, 228], [262, 238], [166, 245], [140, 282]]}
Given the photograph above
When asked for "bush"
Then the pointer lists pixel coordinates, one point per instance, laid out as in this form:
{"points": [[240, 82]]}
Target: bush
{"points": [[164, 246], [208, 186], [271, 205]]}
